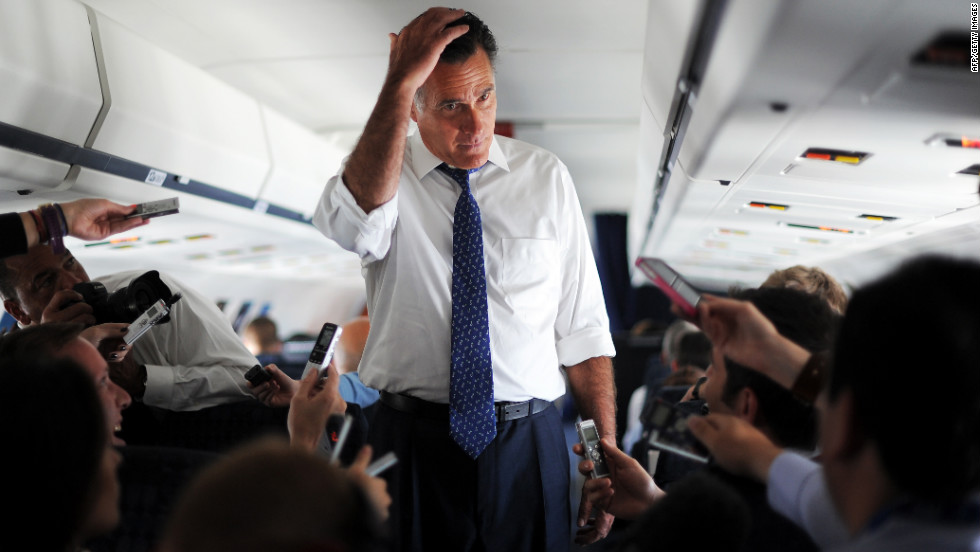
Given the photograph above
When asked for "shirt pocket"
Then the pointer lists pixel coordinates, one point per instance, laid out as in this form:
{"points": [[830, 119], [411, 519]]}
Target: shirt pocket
{"points": [[530, 279]]}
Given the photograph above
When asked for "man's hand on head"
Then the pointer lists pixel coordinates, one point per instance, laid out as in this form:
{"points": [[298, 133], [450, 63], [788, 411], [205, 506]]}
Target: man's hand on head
{"points": [[415, 50]]}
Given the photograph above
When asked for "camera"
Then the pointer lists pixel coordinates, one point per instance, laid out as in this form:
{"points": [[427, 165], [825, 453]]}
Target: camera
{"points": [[668, 431], [126, 304]]}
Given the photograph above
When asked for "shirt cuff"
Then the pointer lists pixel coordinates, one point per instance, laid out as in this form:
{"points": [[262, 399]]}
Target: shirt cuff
{"points": [[787, 479], [366, 223], [160, 385], [585, 344]]}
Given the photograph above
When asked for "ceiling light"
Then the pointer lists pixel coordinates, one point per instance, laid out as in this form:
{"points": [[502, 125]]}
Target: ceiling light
{"points": [[764, 205], [953, 140], [820, 228], [838, 156]]}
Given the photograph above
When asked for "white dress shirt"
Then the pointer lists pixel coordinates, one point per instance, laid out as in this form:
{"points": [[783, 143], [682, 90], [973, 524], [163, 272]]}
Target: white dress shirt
{"points": [[194, 361], [546, 307]]}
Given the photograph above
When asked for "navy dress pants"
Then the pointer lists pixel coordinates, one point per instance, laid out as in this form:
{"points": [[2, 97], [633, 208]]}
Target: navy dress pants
{"points": [[512, 498]]}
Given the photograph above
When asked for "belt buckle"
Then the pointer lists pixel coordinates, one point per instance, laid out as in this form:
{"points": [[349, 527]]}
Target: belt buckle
{"points": [[517, 410]]}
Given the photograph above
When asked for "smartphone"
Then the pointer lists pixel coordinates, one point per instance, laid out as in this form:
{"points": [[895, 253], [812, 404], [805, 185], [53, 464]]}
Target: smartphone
{"points": [[671, 283], [323, 349], [147, 320], [668, 431], [257, 375], [381, 464], [588, 435], [159, 208]]}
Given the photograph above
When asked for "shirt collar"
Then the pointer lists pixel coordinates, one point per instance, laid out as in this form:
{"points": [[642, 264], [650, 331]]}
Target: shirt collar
{"points": [[423, 162]]}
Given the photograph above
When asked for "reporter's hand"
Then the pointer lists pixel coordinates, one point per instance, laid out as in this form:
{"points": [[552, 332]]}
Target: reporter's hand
{"points": [[68, 305], [375, 487], [95, 219], [276, 392], [740, 332], [627, 492], [736, 445], [595, 527], [310, 407], [108, 339], [129, 375]]}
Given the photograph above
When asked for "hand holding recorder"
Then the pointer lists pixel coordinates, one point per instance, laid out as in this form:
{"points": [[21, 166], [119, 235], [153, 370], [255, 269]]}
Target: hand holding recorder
{"points": [[626, 492], [310, 406]]}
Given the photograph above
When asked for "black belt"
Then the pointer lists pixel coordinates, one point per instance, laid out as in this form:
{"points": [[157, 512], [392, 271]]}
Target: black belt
{"points": [[506, 411]]}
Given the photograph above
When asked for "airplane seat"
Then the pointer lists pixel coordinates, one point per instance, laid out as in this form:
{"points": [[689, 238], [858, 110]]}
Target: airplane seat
{"points": [[151, 480], [295, 352], [217, 429]]}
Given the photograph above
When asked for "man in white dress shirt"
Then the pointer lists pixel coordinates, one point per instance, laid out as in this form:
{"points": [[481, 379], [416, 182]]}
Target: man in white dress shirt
{"points": [[391, 206], [192, 362]]}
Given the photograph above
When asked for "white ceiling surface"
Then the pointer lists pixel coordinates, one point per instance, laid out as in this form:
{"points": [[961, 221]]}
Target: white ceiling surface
{"points": [[843, 69], [568, 76]]}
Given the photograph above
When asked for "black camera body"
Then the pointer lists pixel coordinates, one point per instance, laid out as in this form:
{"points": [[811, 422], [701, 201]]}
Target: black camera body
{"points": [[126, 304]]}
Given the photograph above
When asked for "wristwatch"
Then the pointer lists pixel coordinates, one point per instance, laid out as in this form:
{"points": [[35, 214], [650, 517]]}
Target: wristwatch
{"points": [[809, 383]]}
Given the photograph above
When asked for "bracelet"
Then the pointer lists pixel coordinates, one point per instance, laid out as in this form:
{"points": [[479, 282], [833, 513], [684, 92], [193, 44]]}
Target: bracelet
{"points": [[42, 232], [61, 217], [53, 221], [809, 383]]}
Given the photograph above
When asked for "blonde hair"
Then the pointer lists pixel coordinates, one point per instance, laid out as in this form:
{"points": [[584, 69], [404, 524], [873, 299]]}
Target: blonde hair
{"points": [[811, 280]]}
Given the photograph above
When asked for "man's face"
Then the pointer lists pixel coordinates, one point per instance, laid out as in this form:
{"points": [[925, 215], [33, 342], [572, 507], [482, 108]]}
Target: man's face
{"points": [[459, 111], [38, 275], [115, 399], [711, 389]]}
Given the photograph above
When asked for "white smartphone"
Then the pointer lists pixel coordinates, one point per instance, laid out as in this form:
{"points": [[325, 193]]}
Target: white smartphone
{"points": [[323, 349]]}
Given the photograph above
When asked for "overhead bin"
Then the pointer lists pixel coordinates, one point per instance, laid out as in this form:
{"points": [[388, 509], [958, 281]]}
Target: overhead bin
{"points": [[50, 85], [302, 162], [170, 115]]}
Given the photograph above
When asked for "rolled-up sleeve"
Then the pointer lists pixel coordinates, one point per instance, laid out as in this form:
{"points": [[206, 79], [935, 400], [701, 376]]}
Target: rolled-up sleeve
{"points": [[582, 324], [340, 218]]}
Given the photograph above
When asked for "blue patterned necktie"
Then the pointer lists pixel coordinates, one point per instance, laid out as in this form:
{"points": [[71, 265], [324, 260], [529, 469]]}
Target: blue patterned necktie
{"points": [[472, 418]]}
